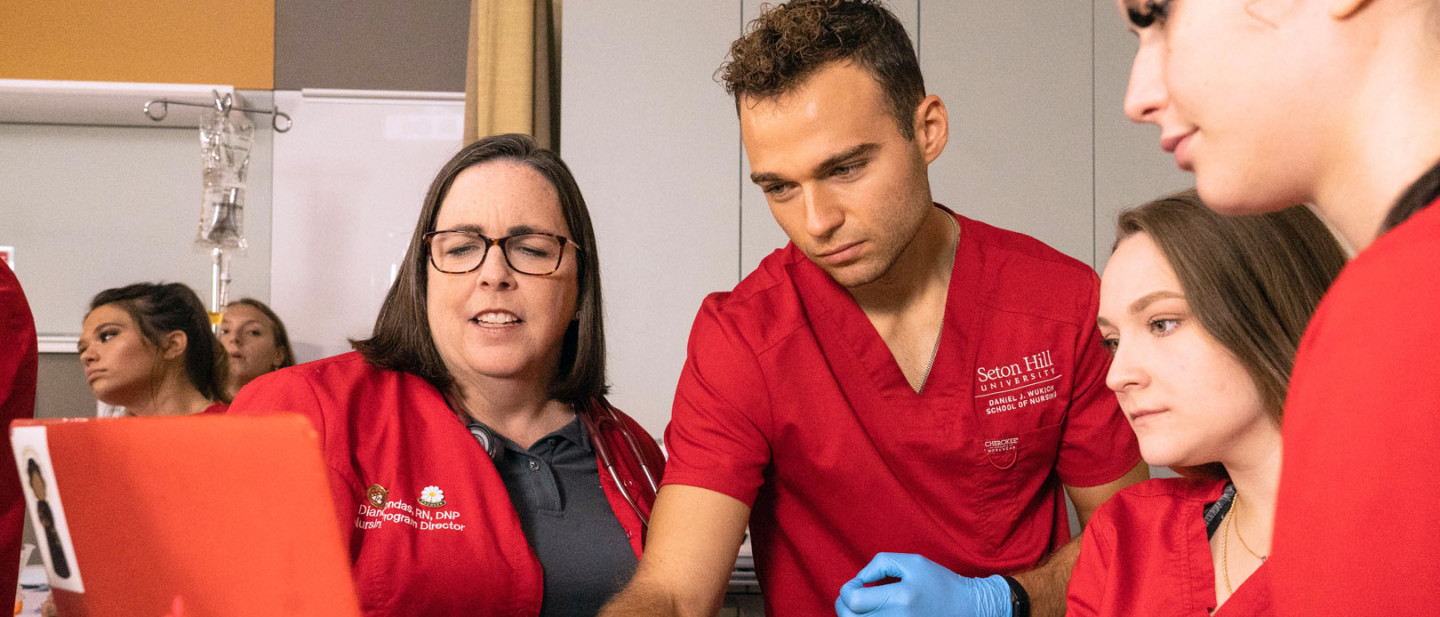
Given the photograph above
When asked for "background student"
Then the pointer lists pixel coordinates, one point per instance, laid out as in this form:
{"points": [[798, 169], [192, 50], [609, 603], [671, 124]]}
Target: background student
{"points": [[255, 342], [148, 347]]}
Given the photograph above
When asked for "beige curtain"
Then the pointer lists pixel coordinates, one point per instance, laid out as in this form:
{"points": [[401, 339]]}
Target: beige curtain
{"points": [[512, 82]]}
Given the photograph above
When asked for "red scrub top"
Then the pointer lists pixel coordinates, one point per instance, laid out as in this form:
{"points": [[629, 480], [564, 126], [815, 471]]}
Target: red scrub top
{"points": [[387, 437], [19, 364], [1146, 553], [791, 403], [1355, 521]]}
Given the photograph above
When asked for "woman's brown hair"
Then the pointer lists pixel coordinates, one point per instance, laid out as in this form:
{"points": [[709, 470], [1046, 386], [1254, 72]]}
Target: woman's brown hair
{"points": [[402, 340], [1251, 281]]}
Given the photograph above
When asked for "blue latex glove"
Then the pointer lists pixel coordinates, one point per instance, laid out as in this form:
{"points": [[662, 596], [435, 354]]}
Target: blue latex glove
{"points": [[926, 589]]}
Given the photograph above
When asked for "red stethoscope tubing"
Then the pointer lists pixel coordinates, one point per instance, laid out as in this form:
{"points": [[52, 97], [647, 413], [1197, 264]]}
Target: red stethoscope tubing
{"points": [[597, 413]]}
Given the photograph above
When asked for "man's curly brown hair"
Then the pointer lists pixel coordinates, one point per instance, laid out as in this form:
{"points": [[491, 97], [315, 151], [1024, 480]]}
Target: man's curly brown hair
{"points": [[790, 42]]}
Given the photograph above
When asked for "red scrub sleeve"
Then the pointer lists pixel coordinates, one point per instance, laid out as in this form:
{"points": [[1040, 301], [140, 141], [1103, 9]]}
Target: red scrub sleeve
{"points": [[291, 391], [19, 366], [1088, 581], [717, 438], [1098, 445]]}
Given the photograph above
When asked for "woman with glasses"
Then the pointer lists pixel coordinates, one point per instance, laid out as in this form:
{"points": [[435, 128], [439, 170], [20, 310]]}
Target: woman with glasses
{"points": [[475, 465], [1334, 103]]}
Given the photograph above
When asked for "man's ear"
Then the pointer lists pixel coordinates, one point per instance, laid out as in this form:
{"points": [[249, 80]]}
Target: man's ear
{"points": [[1345, 9], [932, 127], [175, 343]]}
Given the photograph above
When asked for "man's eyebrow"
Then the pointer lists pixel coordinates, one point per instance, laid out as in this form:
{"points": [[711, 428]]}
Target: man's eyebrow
{"points": [[765, 178], [841, 158], [830, 163]]}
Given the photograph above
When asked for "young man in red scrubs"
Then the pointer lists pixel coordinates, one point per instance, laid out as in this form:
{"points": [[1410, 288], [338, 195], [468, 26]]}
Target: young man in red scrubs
{"points": [[899, 379], [19, 363], [1335, 103]]}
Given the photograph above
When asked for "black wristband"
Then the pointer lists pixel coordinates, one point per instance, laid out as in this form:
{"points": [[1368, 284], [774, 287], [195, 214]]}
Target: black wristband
{"points": [[1019, 600]]}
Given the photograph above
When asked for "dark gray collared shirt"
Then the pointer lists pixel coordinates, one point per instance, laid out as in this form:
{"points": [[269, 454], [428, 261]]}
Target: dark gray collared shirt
{"points": [[555, 488]]}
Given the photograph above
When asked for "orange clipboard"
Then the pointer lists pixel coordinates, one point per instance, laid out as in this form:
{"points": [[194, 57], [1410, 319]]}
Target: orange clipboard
{"points": [[195, 516]]}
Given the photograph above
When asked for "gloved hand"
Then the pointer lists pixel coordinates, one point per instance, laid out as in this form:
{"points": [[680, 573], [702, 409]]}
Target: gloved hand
{"points": [[926, 589]]}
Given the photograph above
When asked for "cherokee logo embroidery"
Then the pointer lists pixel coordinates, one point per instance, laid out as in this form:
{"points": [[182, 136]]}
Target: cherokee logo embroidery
{"points": [[376, 494], [1001, 445], [432, 497]]}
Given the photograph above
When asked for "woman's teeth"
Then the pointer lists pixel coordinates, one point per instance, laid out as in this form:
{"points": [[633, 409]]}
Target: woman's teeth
{"points": [[497, 319]]}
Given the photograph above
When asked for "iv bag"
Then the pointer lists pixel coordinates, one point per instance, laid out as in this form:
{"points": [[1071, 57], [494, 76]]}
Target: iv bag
{"points": [[225, 141]]}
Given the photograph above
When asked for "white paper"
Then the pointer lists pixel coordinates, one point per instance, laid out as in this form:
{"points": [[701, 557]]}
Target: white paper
{"points": [[30, 444]]}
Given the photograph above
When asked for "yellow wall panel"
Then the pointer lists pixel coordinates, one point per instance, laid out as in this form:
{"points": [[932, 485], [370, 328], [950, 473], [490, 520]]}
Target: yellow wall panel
{"points": [[164, 41]]}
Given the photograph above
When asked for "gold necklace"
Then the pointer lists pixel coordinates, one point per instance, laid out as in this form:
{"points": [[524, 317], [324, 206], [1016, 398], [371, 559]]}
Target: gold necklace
{"points": [[1225, 551], [935, 351], [1262, 558]]}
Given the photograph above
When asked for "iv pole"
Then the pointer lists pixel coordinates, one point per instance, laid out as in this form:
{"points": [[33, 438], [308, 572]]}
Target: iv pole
{"points": [[223, 228]]}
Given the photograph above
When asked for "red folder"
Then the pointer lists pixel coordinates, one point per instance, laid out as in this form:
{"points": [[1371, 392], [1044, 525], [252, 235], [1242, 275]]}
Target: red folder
{"points": [[197, 516]]}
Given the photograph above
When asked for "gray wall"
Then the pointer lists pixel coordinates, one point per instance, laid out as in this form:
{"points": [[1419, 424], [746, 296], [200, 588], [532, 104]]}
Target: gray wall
{"points": [[1129, 166], [653, 145], [371, 44]]}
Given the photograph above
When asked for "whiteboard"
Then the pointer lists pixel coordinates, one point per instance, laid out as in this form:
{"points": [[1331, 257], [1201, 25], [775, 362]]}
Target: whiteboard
{"points": [[90, 207], [348, 183]]}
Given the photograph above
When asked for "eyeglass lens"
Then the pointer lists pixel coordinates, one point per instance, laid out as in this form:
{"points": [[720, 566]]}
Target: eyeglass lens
{"points": [[458, 252]]}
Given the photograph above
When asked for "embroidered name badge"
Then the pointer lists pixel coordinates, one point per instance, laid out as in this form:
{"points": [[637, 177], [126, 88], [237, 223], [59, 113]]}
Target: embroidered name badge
{"points": [[1016, 385], [393, 513]]}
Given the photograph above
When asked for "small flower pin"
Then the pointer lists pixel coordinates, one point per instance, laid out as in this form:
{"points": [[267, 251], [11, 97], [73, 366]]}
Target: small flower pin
{"points": [[432, 497]]}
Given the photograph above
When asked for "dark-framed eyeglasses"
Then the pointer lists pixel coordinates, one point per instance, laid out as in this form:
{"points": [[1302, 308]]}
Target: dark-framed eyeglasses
{"points": [[454, 251]]}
